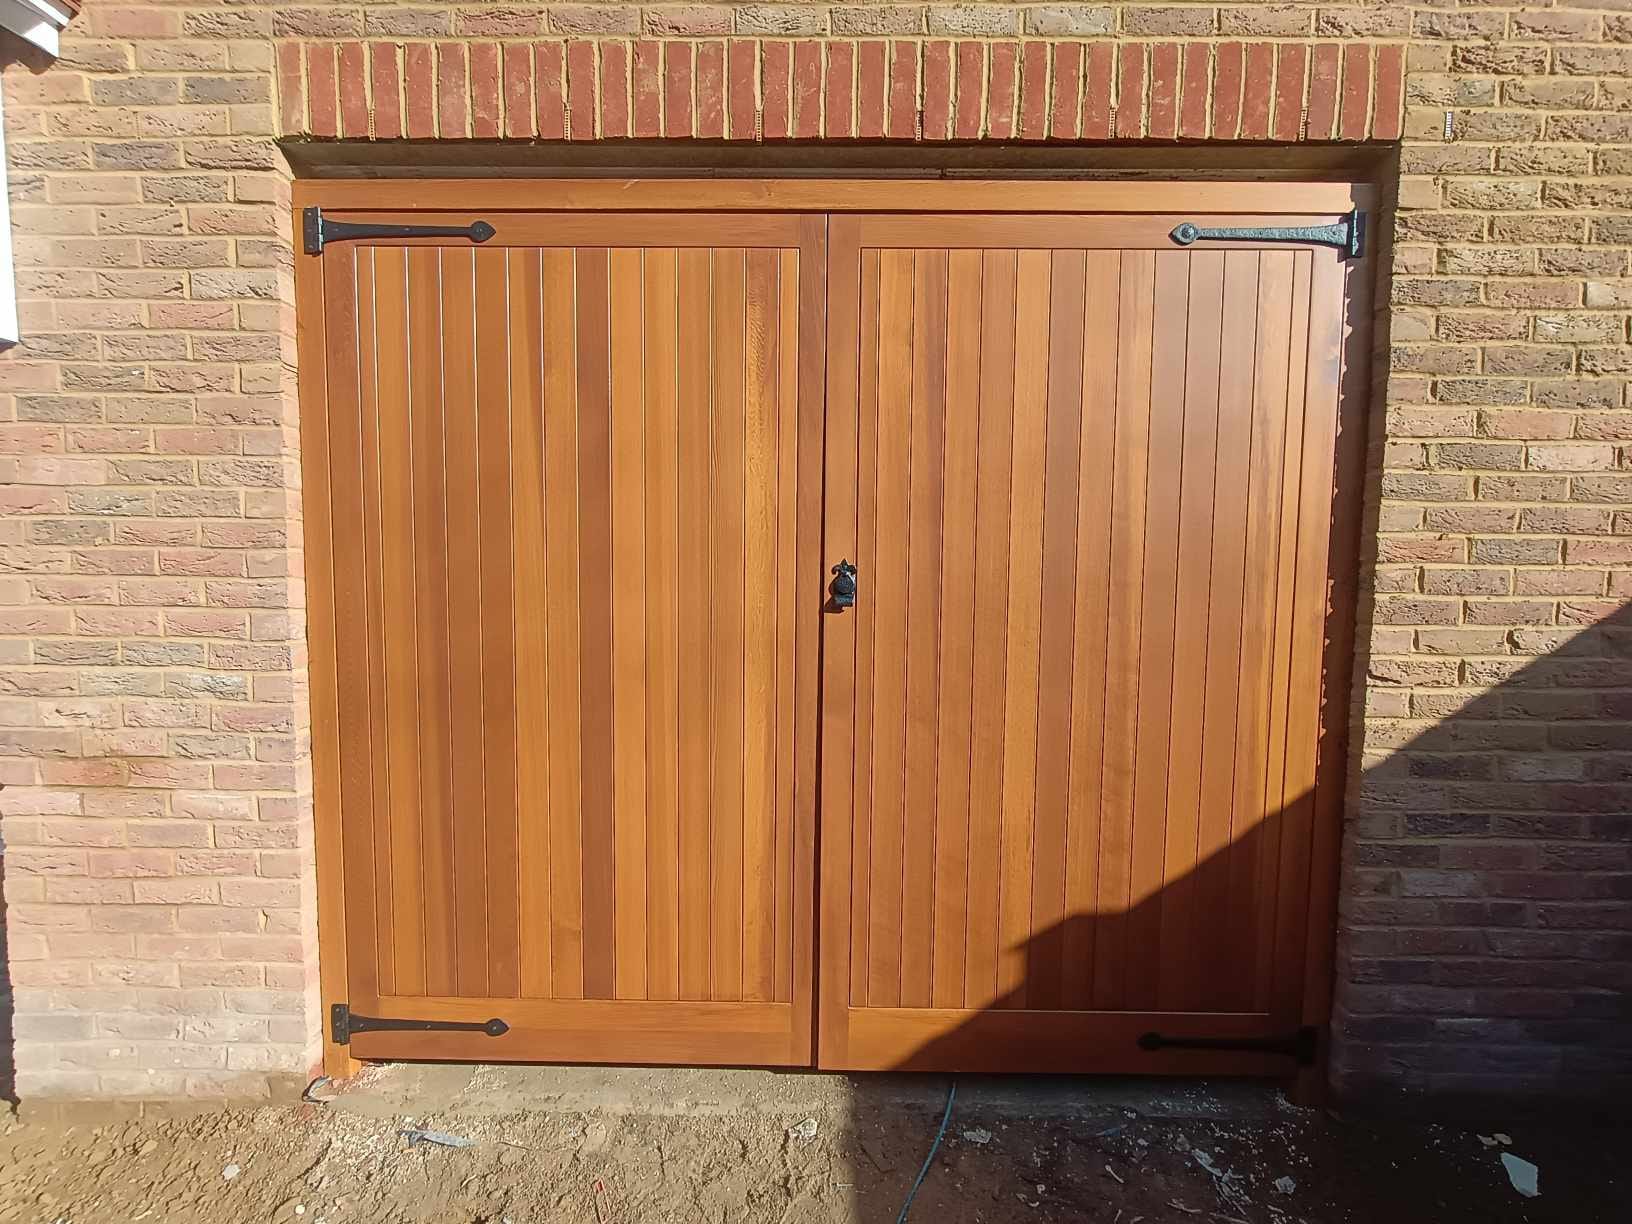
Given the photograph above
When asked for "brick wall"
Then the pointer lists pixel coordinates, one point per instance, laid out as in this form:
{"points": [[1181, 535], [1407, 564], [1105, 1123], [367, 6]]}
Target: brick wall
{"points": [[152, 724]]}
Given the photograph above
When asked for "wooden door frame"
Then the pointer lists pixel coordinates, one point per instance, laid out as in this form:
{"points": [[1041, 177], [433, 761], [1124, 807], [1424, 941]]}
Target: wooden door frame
{"points": [[371, 198]]}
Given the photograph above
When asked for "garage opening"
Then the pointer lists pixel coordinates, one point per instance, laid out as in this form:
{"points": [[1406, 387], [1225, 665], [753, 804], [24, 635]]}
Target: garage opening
{"points": [[838, 623]]}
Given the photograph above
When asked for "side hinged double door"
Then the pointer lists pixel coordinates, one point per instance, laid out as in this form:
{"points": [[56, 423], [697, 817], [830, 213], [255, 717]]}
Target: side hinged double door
{"points": [[565, 587], [575, 497]]}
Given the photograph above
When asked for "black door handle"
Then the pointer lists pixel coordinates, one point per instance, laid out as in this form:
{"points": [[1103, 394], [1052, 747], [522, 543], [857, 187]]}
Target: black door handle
{"points": [[843, 586]]}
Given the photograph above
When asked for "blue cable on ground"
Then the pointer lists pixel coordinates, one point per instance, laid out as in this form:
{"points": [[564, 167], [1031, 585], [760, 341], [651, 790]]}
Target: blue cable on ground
{"points": [[951, 1095]]}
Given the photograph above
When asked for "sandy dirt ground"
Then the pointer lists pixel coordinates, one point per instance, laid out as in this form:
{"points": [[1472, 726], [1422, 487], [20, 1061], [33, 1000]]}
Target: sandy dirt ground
{"points": [[318, 1164]]}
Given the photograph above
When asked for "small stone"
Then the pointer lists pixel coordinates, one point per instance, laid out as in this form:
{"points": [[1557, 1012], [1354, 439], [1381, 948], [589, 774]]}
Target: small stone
{"points": [[1525, 1177], [230, 1172]]}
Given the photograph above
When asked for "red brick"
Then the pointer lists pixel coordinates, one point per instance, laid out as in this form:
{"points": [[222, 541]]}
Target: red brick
{"points": [[937, 90], [807, 89], [581, 90], [903, 116], [970, 109], [1227, 71], [1163, 123], [1256, 95], [776, 89], [1033, 91], [614, 90], [1065, 117], [677, 69], [711, 90], [1193, 103], [291, 89], [518, 90], [451, 83], [325, 100], [1001, 90], [419, 90], [484, 90], [1356, 91], [1289, 91], [549, 89], [1388, 92], [871, 84], [1096, 92], [1130, 94], [385, 86], [741, 68], [648, 88], [1323, 92], [839, 89]]}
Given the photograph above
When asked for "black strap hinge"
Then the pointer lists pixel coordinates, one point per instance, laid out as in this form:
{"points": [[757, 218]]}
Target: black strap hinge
{"points": [[317, 230], [343, 1022], [1302, 1045], [1347, 235]]}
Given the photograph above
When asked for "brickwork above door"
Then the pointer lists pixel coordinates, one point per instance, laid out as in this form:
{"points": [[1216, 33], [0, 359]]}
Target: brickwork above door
{"points": [[837, 89]]}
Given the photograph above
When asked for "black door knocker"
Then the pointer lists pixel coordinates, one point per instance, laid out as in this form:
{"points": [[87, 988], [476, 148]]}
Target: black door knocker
{"points": [[843, 587]]}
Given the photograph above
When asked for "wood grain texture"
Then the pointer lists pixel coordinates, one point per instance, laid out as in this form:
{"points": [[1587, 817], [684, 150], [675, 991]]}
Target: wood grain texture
{"points": [[570, 525], [1089, 534], [576, 496]]}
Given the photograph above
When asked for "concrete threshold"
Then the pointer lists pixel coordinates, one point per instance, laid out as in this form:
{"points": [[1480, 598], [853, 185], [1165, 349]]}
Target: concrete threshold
{"points": [[394, 1089]]}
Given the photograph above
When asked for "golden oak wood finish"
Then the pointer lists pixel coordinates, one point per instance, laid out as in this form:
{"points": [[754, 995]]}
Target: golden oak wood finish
{"points": [[1073, 777], [1081, 752], [567, 502]]}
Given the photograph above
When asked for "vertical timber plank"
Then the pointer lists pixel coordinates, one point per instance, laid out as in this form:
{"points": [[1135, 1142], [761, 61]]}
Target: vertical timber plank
{"points": [[498, 629], [595, 620], [926, 453], [999, 287], [662, 626], [1026, 513], [529, 609], [727, 548], [561, 551], [957, 628], [628, 564]]}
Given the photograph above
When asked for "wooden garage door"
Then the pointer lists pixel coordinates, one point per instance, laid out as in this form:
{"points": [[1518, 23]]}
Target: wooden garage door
{"points": [[1072, 730], [573, 494], [565, 584]]}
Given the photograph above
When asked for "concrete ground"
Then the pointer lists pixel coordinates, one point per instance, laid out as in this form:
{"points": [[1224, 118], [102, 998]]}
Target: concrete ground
{"points": [[587, 1145]]}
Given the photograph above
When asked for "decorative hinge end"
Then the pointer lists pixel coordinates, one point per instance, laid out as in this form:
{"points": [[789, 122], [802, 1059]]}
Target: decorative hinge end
{"points": [[343, 1022], [317, 231], [1347, 235]]}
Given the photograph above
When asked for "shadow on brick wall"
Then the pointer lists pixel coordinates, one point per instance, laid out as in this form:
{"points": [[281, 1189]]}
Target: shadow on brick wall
{"points": [[1486, 937]]}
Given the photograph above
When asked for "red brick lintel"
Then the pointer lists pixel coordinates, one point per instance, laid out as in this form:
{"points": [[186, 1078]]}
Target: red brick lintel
{"points": [[904, 89]]}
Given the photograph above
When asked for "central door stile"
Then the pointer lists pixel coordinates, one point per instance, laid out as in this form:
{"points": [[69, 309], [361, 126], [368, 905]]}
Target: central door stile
{"points": [[838, 635]]}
